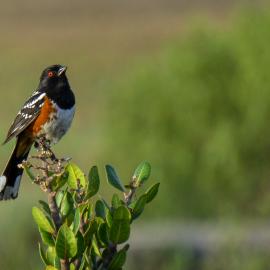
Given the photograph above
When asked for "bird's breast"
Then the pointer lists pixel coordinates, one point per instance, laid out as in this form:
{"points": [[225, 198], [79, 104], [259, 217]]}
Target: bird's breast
{"points": [[58, 123]]}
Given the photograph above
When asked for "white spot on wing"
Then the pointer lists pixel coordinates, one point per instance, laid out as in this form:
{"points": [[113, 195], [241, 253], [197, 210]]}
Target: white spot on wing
{"points": [[3, 181], [33, 102], [26, 115]]}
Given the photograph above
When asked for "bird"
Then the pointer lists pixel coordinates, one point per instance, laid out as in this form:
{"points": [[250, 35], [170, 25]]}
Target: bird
{"points": [[48, 114]]}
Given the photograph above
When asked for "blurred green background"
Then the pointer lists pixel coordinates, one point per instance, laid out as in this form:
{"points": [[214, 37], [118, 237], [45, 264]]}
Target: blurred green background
{"points": [[182, 84]]}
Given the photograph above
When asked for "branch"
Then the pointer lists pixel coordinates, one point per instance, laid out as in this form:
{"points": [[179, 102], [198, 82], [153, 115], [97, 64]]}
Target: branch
{"points": [[65, 265], [54, 210], [51, 166], [132, 190]]}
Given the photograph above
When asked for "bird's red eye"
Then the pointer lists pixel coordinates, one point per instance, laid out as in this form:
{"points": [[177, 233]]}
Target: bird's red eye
{"points": [[50, 74]]}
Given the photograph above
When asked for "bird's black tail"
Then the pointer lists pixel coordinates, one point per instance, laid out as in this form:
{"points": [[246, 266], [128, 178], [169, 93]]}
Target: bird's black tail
{"points": [[11, 178]]}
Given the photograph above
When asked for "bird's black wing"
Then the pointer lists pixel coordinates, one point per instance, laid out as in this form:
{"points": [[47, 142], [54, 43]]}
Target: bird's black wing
{"points": [[26, 115]]}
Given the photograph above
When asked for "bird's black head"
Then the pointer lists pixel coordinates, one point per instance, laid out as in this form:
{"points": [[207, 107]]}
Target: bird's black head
{"points": [[54, 83], [53, 75]]}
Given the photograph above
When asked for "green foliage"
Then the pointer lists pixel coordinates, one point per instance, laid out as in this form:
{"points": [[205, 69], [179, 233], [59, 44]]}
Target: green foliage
{"points": [[152, 192], [113, 178], [139, 206], [66, 243], [45, 207], [49, 267], [76, 177], [118, 260], [116, 202], [94, 182], [122, 213], [43, 255], [47, 237], [120, 227], [203, 120], [142, 173], [42, 220], [66, 205], [89, 231]]}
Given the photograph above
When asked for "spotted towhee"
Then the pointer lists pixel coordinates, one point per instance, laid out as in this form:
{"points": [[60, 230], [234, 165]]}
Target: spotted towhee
{"points": [[48, 114]]}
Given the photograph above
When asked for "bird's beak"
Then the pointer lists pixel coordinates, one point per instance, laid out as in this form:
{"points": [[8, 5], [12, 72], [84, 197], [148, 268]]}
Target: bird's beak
{"points": [[61, 71]]}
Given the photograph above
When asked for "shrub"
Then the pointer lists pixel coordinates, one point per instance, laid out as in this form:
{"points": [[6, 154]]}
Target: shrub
{"points": [[78, 230]]}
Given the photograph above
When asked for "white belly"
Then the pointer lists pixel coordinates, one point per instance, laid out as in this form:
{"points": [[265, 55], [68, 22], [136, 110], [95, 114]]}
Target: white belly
{"points": [[58, 125]]}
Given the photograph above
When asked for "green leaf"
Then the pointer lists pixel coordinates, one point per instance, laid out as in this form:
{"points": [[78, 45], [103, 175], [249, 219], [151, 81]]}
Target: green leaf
{"points": [[42, 255], [41, 220], [82, 264], [57, 263], [131, 205], [93, 182], [122, 213], [119, 231], [87, 259], [116, 202], [46, 237], [66, 204], [77, 220], [91, 211], [142, 173], [103, 233], [100, 209], [95, 247], [59, 181], [152, 192], [69, 219], [29, 173], [113, 179], [109, 218], [51, 255], [139, 206], [118, 260], [66, 243], [106, 204], [80, 244], [76, 177], [83, 208], [45, 207], [91, 230], [49, 267], [59, 197]]}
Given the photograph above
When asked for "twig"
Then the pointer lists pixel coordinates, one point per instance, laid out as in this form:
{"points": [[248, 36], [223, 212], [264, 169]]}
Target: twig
{"points": [[65, 265], [129, 196], [50, 166], [132, 190], [54, 210]]}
